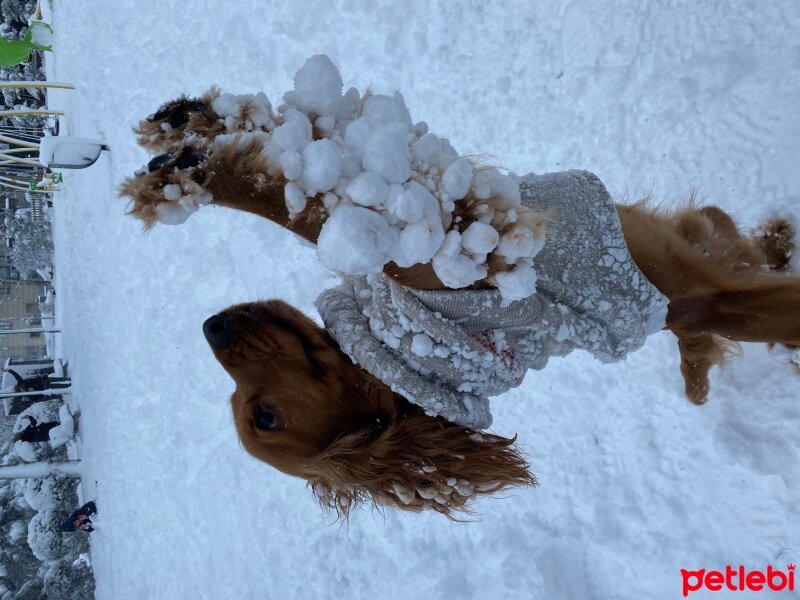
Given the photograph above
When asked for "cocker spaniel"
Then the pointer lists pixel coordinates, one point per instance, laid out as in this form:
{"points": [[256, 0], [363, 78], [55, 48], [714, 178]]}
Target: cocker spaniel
{"points": [[305, 407]]}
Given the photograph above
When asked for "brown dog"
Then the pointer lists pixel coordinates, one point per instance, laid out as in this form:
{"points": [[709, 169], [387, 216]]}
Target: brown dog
{"points": [[304, 407]]}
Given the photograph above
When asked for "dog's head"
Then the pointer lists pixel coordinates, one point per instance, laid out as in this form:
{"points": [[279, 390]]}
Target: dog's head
{"points": [[303, 407]]}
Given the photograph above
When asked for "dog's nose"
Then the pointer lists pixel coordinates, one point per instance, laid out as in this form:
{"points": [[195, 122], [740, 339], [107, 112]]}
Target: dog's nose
{"points": [[214, 330]]}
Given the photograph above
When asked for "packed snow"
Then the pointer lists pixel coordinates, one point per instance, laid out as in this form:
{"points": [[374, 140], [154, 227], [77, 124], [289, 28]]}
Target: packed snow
{"points": [[64, 151], [636, 484], [403, 181], [41, 33]]}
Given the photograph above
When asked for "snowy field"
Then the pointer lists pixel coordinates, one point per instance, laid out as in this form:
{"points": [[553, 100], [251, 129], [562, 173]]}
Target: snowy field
{"points": [[655, 98]]}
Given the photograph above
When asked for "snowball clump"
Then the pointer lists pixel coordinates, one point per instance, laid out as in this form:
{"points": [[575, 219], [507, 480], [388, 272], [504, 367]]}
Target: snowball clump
{"points": [[393, 191]]}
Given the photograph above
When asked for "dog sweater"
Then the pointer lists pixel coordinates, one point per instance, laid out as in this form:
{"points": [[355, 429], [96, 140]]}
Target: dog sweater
{"points": [[448, 351]]}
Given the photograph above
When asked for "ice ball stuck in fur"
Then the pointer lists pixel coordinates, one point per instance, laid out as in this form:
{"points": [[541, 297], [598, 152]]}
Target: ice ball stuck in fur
{"points": [[355, 240], [388, 188]]}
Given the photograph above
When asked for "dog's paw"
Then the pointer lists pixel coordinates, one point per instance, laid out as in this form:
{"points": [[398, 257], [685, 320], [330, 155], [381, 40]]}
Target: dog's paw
{"points": [[168, 189], [788, 354], [696, 389], [775, 238], [197, 122], [695, 370], [178, 112], [177, 123]]}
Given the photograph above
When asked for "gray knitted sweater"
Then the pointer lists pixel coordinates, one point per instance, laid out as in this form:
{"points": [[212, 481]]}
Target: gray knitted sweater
{"points": [[448, 351]]}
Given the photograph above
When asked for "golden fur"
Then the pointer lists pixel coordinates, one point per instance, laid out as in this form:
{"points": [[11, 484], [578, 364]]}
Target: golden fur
{"points": [[723, 287], [346, 433], [303, 407], [354, 440]]}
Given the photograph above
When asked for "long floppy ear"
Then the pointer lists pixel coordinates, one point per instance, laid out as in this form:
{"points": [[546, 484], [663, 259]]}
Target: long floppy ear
{"points": [[415, 462]]}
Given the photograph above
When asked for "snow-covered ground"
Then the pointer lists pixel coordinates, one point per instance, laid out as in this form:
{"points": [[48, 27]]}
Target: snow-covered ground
{"points": [[656, 98]]}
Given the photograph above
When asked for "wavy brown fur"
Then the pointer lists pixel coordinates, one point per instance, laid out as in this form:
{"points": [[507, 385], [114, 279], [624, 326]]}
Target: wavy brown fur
{"points": [[718, 281], [238, 176], [352, 438], [344, 431], [415, 462], [203, 125], [146, 192]]}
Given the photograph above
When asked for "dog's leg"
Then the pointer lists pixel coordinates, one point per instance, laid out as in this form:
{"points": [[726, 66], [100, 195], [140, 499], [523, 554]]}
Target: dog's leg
{"points": [[236, 176], [712, 275], [721, 221], [763, 308], [716, 282], [698, 354]]}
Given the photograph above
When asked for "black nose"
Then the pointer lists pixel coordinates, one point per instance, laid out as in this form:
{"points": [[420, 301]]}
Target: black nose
{"points": [[214, 330]]}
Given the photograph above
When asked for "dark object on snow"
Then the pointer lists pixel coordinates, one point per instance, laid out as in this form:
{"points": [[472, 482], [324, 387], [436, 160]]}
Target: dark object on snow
{"points": [[35, 432], [80, 518], [159, 161], [186, 160], [38, 383], [177, 113]]}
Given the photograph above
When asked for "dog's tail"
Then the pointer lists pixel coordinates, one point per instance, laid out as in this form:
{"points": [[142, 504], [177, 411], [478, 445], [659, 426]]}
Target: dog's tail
{"points": [[759, 308]]}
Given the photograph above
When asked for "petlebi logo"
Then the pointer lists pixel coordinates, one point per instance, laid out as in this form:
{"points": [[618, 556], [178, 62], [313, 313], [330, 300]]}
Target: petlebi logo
{"points": [[738, 579]]}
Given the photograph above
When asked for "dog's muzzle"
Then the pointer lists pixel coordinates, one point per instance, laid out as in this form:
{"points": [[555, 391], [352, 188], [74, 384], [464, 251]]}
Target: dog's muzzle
{"points": [[217, 335]]}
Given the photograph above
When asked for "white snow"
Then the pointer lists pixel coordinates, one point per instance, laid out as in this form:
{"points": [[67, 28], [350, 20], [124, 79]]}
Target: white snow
{"points": [[318, 86], [292, 135], [457, 179], [68, 150], [173, 192], [367, 189], [371, 154], [636, 484], [380, 109], [517, 284], [322, 166], [421, 345], [295, 199], [231, 108], [172, 214], [412, 203], [182, 202], [519, 242], [418, 242], [355, 240], [455, 269], [41, 33], [291, 164], [386, 153], [479, 238]]}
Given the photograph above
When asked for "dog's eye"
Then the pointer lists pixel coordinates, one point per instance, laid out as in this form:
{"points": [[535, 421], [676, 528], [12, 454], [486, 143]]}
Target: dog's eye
{"points": [[264, 419]]}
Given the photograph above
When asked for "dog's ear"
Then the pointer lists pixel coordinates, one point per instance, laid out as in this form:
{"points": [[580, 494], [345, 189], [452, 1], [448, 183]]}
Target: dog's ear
{"points": [[415, 462]]}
